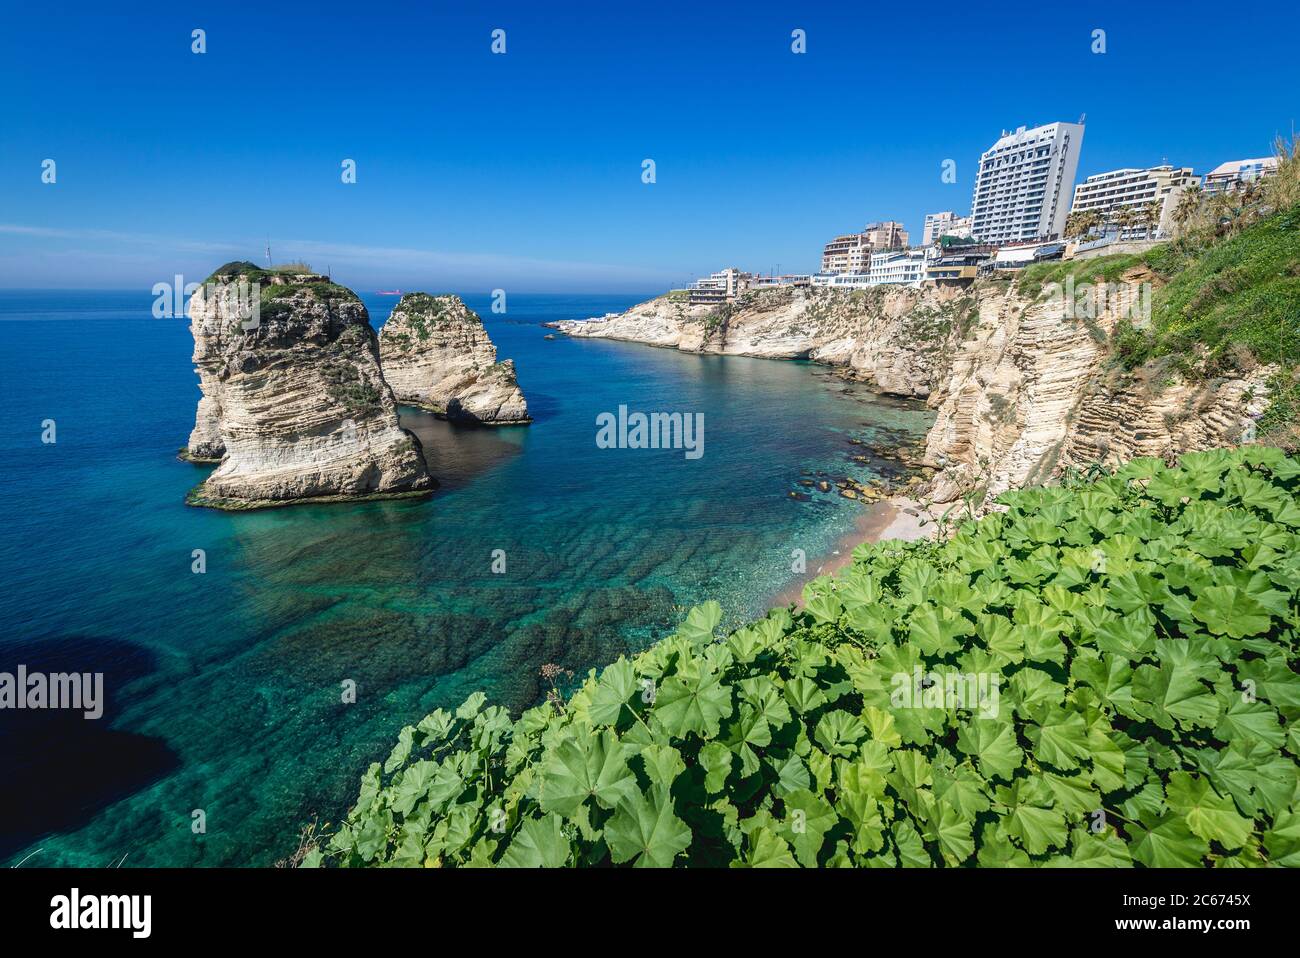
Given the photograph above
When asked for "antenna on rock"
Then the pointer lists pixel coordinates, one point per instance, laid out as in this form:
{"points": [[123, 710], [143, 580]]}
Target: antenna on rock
{"points": [[268, 254]]}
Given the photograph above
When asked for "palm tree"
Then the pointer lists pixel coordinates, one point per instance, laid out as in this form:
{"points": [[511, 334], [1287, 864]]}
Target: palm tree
{"points": [[1223, 211], [1151, 216], [1189, 203], [1123, 217], [1085, 221]]}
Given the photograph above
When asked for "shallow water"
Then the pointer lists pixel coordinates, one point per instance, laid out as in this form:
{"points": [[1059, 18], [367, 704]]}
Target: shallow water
{"points": [[224, 687]]}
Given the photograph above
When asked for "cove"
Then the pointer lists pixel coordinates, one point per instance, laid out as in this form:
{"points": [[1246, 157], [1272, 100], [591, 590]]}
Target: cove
{"points": [[223, 687]]}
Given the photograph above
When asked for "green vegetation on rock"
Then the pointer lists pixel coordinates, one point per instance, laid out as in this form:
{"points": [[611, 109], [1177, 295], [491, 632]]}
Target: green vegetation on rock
{"points": [[1222, 305], [425, 312], [1103, 674], [344, 383], [1240, 294], [279, 285]]}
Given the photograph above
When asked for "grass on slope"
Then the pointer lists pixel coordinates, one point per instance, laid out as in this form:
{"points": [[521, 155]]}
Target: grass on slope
{"points": [[1240, 294]]}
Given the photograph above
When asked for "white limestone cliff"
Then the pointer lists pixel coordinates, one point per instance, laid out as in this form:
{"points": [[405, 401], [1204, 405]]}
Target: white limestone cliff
{"points": [[437, 355], [294, 403], [1022, 389]]}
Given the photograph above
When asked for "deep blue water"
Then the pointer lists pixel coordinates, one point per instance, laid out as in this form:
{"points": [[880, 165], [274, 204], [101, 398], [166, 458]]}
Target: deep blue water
{"points": [[224, 687]]}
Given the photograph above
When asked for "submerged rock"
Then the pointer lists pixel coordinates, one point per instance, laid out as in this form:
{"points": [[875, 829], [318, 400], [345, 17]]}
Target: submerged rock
{"points": [[437, 355], [294, 403]]}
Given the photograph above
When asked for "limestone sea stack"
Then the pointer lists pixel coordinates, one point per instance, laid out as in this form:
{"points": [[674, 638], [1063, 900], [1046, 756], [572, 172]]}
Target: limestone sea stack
{"points": [[437, 355], [294, 403]]}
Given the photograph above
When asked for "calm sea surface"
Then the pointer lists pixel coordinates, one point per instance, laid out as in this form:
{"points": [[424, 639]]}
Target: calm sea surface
{"points": [[223, 688]]}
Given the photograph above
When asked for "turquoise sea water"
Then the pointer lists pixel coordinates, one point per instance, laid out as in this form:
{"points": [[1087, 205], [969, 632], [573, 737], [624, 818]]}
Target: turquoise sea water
{"points": [[224, 687]]}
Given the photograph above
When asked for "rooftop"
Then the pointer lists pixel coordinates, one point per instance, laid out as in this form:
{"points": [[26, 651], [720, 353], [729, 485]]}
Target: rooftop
{"points": [[1235, 166]]}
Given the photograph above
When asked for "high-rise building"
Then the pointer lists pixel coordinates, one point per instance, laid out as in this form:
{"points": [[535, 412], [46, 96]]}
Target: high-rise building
{"points": [[1025, 182], [1107, 193], [944, 224], [851, 253]]}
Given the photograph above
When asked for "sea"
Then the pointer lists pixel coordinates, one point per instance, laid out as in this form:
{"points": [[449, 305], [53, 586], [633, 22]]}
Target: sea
{"points": [[228, 642]]}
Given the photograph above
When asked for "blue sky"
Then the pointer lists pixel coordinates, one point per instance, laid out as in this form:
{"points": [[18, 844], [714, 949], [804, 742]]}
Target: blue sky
{"points": [[523, 171]]}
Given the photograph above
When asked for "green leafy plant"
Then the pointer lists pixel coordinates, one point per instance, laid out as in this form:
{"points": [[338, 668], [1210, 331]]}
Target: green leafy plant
{"points": [[1133, 637]]}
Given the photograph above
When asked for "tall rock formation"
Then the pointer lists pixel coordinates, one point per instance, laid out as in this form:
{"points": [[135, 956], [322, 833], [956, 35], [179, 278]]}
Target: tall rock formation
{"points": [[294, 402], [437, 355]]}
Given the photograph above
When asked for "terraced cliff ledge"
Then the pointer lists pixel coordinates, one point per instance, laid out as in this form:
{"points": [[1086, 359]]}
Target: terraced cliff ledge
{"points": [[437, 355], [294, 402]]}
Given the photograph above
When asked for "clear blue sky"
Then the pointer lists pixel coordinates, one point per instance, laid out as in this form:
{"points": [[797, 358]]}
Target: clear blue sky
{"points": [[523, 171]]}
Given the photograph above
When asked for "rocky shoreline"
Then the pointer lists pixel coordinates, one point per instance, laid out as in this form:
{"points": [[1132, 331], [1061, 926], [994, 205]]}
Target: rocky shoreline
{"points": [[1024, 388], [889, 337]]}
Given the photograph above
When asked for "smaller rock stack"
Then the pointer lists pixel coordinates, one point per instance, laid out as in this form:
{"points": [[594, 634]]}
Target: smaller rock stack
{"points": [[437, 355]]}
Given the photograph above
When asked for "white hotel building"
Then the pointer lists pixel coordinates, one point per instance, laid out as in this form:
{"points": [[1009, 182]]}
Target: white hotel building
{"points": [[897, 267], [890, 267], [1104, 193], [1023, 188]]}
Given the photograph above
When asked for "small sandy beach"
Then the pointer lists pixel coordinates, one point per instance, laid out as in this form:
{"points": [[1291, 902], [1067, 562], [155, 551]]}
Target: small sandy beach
{"points": [[895, 518]]}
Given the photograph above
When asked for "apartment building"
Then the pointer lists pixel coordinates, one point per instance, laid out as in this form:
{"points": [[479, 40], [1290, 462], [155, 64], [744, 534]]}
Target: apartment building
{"points": [[786, 279], [1025, 183], [1107, 193], [944, 224], [1236, 173], [887, 235], [851, 253]]}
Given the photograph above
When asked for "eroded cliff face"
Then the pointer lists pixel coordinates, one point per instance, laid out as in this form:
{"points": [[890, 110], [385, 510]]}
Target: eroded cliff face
{"points": [[895, 338], [205, 443], [294, 404], [1033, 390], [437, 355], [1025, 386]]}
